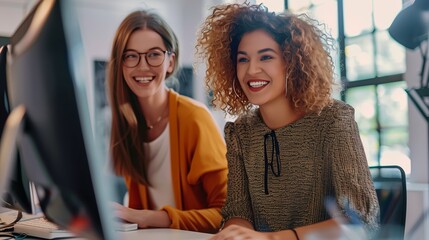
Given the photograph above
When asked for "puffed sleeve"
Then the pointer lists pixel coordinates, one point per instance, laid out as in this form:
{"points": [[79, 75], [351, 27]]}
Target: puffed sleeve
{"points": [[352, 181], [238, 199]]}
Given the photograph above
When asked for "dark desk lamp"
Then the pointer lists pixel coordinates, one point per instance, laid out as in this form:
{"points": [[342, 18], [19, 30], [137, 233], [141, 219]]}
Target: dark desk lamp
{"points": [[410, 28]]}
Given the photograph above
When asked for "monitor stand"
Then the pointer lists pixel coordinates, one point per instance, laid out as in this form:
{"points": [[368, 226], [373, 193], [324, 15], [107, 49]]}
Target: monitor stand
{"points": [[13, 129]]}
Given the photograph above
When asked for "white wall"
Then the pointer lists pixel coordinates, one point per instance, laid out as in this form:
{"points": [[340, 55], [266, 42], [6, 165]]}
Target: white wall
{"points": [[418, 186], [418, 127], [11, 14]]}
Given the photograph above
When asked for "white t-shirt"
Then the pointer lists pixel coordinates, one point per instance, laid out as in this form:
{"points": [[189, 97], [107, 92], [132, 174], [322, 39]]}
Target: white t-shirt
{"points": [[160, 192]]}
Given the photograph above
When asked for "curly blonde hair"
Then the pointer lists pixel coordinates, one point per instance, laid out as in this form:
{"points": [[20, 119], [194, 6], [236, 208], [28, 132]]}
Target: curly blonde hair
{"points": [[309, 66]]}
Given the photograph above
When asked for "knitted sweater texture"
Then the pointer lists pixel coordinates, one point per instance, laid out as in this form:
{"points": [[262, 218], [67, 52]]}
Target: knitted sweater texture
{"points": [[320, 155]]}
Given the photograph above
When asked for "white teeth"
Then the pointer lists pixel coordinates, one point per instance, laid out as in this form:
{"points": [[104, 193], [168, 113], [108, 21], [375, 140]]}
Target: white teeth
{"points": [[144, 79], [258, 84]]}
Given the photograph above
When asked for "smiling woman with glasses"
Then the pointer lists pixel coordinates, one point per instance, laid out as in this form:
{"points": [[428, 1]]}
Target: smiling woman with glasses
{"points": [[166, 146], [292, 146]]}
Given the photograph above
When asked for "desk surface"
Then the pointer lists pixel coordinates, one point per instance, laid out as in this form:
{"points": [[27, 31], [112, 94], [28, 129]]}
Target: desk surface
{"points": [[164, 234], [152, 234], [146, 234]]}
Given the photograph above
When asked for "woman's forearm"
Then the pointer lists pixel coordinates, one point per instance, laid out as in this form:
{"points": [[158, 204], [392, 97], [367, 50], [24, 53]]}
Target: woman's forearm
{"points": [[239, 222]]}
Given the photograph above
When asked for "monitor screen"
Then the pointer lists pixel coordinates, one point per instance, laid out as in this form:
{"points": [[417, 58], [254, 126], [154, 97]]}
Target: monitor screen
{"points": [[49, 122], [17, 195]]}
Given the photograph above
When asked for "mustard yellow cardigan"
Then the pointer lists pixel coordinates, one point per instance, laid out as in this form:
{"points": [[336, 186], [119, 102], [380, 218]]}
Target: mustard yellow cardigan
{"points": [[198, 168]]}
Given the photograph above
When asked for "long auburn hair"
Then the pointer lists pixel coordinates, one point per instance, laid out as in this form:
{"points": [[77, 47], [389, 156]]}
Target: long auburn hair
{"points": [[309, 67], [128, 129]]}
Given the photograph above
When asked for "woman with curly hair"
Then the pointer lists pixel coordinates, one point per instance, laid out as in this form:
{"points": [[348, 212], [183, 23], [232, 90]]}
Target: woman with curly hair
{"points": [[292, 147], [167, 146]]}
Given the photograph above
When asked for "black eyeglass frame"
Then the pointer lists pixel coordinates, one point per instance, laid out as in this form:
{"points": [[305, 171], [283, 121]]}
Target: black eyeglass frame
{"points": [[275, 149], [145, 57]]}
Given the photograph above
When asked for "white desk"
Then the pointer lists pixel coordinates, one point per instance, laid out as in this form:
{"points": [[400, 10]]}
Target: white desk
{"points": [[152, 234], [144, 234], [163, 234]]}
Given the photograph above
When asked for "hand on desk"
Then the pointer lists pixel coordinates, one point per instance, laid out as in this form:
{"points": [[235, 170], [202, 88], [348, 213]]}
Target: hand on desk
{"points": [[144, 218], [237, 232], [233, 232]]}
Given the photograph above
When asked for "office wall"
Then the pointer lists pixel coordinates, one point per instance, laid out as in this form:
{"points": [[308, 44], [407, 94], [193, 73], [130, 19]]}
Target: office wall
{"points": [[418, 187], [11, 14]]}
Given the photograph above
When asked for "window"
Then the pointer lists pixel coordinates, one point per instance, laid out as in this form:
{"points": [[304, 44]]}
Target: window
{"points": [[372, 71]]}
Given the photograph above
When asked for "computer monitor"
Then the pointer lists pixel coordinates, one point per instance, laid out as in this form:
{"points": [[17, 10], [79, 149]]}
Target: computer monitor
{"points": [[18, 192], [49, 123]]}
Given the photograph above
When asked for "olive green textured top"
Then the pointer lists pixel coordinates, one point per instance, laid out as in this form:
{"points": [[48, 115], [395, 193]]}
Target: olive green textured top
{"points": [[319, 156]]}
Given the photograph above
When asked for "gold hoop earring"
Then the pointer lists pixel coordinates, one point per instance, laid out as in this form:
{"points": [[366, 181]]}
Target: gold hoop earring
{"points": [[285, 87], [233, 88]]}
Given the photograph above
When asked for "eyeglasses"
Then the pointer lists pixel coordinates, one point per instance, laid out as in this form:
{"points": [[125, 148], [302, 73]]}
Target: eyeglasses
{"points": [[154, 57], [275, 166]]}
